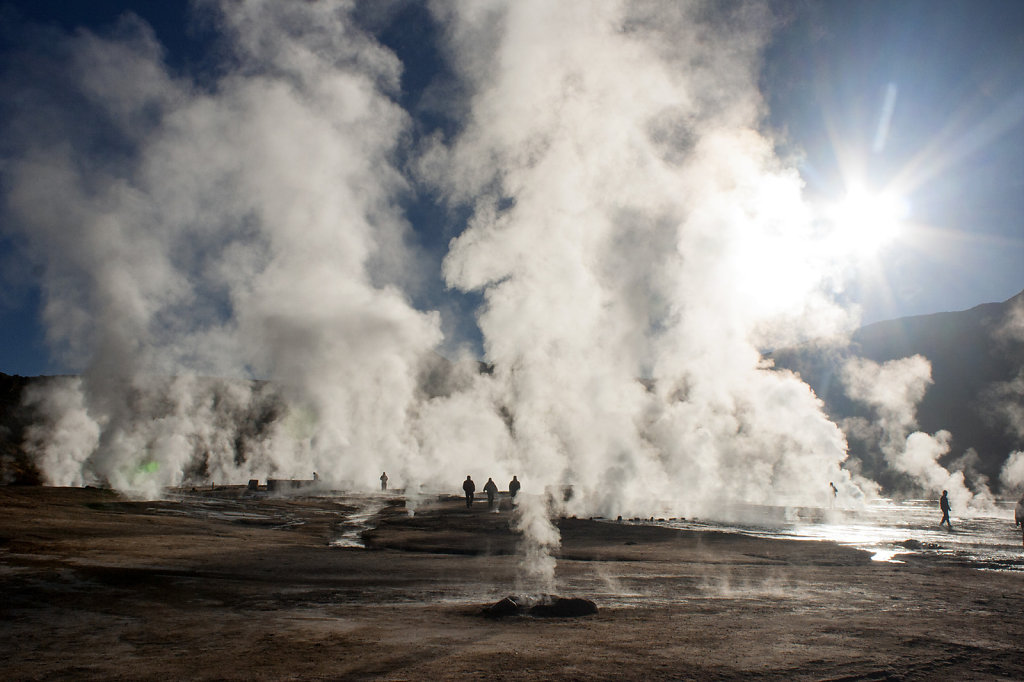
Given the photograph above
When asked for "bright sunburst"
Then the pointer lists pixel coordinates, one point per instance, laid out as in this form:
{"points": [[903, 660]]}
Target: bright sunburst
{"points": [[864, 222]]}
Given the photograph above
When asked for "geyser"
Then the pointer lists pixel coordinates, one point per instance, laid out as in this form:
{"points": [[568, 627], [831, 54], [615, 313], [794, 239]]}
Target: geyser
{"points": [[633, 238]]}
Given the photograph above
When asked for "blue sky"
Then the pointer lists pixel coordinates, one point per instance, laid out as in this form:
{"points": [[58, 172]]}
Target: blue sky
{"points": [[923, 97], [957, 71]]}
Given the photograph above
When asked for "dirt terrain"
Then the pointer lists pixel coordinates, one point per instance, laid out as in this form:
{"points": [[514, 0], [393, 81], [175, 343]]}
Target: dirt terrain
{"points": [[221, 584]]}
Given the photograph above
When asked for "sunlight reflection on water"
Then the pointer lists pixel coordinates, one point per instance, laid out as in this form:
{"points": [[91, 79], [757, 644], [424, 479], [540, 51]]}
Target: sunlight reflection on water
{"points": [[890, 529], [356, 522]]}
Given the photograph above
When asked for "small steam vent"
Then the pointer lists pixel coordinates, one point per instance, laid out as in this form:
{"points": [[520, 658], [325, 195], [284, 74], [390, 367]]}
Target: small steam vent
{"points": [[543, 606]]}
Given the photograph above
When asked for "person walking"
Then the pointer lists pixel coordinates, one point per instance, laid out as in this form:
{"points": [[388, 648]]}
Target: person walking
{"points": [[469, 488], [383, 480], [944, 506], [491, 489], [513, 488], [1018, 517]]}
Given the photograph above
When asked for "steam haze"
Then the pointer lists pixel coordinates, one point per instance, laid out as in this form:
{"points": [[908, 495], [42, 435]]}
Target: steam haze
{"points": [[240, 227], [620, 194], [635, 240]]}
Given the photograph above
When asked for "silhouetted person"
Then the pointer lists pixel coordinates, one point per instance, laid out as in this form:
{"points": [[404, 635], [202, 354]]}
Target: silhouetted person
{"points": [[944, 506], [513, 487], [469, 487], [835, 491], [1018, 517], [491, 489], [383, 480]]}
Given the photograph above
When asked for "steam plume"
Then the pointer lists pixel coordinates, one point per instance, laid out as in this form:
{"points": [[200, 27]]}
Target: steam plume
{"points": [[620, 195], [894, 389], [540, 539], [1012, 474], [635, 239], [241, 227]]}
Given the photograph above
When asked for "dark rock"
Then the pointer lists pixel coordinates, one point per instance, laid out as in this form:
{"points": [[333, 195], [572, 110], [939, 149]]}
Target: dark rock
{"points": [[564, 607], [505, 607], [547, 606]]}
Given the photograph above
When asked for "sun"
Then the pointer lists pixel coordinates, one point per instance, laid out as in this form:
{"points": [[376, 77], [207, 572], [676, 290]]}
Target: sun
{"points": [[864, 222]]}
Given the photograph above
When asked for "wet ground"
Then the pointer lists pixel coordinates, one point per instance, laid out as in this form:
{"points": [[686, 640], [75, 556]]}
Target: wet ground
{"points": [[220, 585], [894, 530]]}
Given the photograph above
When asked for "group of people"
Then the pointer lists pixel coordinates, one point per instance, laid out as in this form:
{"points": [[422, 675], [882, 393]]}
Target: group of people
{"points": [[491, 488], [469, 487]]}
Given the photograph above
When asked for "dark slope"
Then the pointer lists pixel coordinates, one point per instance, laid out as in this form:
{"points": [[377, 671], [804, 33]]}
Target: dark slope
{"points": [[15, 466]]}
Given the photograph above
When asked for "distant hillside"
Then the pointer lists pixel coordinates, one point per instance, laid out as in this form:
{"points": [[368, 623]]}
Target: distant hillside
{"points": [[973, 360], [15, 466]]}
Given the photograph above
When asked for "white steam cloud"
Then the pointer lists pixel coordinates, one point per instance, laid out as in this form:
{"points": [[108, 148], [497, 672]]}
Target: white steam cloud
{"points": [[244, 227], [540, 539], [894, 389], [630, 223], [1012, 473], [635, 239]]}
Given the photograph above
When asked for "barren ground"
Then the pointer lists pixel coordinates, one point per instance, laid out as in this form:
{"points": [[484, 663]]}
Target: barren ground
{"points": [[220, 586]]}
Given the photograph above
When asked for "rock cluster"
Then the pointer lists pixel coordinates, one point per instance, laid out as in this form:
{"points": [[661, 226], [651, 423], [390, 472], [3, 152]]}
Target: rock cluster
{"points": [[545, 606]]}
